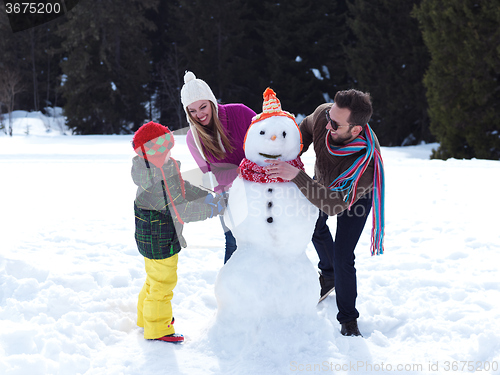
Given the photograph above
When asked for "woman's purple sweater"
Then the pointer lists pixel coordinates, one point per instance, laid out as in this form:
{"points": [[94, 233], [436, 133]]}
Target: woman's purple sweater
{"points": [[235, 119]]}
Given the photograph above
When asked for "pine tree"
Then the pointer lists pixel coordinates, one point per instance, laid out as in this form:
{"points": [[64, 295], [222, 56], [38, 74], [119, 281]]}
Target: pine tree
{"points": [[218, 46], [107, 66], [13, 65], [49, 56], [462, 81], [168, 65], [240, 48], [388, 59], [302, 42], [32, 53]]}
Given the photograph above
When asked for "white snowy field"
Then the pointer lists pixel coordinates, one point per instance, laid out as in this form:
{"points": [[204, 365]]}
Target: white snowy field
{"points": [[70, 272]]}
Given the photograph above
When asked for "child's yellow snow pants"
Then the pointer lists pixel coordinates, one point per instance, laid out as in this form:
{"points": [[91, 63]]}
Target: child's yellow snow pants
{"points": [[154, 309]]}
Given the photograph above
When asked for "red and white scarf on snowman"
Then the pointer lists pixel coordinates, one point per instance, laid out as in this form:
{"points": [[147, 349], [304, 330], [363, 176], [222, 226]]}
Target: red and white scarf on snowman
{"points": [[250, 171]]}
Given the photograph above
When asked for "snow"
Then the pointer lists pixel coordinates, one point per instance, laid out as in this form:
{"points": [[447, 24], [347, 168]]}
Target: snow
{"points": [[317, 74], [70, 272], [36, 123], [325, 71]]}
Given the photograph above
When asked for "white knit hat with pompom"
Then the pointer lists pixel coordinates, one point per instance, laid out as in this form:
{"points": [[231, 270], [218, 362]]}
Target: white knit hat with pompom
{"points": [[195, 89]]}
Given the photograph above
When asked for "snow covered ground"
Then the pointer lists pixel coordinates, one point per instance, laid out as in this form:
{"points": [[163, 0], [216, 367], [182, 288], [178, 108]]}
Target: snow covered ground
{"points": [[52, 123], [70, 272]]}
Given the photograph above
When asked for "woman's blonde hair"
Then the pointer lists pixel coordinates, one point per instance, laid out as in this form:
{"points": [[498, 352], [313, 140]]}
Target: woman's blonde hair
{"points": [[208, 136]]}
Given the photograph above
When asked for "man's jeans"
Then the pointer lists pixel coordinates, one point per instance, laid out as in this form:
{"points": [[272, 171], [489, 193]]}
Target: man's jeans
{"points": [[336, 258]]}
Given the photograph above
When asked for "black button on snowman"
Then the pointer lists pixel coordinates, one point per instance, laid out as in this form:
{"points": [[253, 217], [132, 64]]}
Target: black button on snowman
{"points": [[269, 205]]}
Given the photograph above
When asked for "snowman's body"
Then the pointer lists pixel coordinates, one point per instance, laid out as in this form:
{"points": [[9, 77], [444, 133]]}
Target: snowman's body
{"points": [[270, 275], [272, 217]]}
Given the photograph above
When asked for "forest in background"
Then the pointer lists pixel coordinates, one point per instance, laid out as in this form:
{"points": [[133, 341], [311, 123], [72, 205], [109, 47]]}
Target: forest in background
{"points": [[431, 66]]}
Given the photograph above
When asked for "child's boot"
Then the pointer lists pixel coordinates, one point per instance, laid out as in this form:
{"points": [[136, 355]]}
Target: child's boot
{"points": [[174, 337]]}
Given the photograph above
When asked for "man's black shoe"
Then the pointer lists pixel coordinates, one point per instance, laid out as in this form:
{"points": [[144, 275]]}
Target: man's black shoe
{"points": [[327, 286], [350, 329]]}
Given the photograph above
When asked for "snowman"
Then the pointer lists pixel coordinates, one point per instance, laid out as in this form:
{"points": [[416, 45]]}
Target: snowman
{"points": [[269, 278]]}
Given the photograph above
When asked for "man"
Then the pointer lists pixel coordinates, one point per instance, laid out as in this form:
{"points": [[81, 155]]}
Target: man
{"points": [[348, 182]]}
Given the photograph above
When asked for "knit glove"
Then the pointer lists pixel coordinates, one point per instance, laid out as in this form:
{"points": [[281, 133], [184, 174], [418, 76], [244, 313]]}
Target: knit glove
{"points": [[209, 199], [216, 204]]}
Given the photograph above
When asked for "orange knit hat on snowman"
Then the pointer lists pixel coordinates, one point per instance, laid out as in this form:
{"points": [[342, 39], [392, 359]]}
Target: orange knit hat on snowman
{"points": [[272, 107]]}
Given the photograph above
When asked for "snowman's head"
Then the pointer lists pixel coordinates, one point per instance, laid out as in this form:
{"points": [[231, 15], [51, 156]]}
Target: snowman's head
{"points": [[273, 134], [272, 138]]}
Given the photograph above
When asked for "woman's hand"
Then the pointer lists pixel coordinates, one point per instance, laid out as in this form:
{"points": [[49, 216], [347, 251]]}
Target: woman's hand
{"points": [[278, 168]]}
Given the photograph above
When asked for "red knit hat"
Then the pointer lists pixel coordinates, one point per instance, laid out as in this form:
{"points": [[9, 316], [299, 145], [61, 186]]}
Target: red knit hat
{"points": [[153, 142]]}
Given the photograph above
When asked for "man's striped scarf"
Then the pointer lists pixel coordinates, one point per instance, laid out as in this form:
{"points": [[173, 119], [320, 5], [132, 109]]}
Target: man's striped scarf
{"points": [[348, 181]]}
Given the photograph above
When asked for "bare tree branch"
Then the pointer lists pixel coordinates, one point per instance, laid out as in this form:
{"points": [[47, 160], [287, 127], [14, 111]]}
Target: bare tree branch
{"points": [[10, 86]]}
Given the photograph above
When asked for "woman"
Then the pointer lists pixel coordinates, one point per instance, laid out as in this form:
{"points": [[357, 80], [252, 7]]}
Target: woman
{"points": [[215, 138]]}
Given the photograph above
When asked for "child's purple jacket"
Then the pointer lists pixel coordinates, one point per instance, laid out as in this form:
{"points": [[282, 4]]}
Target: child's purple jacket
{"points": [[235, 119]]}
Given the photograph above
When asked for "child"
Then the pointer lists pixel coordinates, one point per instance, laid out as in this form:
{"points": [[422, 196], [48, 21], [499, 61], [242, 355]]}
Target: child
{"points": [[164, 202]]}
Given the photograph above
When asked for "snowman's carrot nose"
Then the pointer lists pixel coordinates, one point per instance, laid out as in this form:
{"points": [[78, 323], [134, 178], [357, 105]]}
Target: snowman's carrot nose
{"points": [[273, 138]]}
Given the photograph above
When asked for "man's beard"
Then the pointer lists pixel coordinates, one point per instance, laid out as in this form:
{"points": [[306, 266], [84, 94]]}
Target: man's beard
{"points": [[341, 140]]}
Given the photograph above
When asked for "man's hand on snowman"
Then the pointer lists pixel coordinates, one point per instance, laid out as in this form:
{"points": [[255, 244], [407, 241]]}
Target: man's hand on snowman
{"points": [[278, 168]]}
